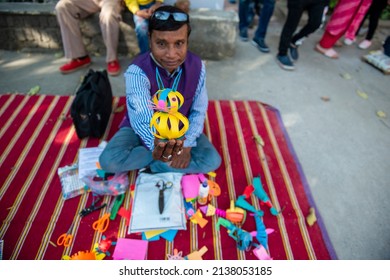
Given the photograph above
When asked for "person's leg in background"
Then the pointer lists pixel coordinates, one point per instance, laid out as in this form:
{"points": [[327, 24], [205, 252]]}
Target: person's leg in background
{"points": [[315, 10], [374, 14], [243, 9], [295, 10], [68, 13], [110, 16], [357, 18], [261, 31]]}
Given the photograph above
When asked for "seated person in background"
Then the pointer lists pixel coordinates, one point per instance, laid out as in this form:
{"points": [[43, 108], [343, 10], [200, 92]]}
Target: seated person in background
{"points": [[142, 10], [134, 146], [183, 5], [69, 12]]}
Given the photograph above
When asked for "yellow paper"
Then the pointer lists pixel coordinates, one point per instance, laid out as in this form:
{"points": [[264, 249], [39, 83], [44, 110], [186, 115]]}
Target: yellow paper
{"points": [[152, 233]]}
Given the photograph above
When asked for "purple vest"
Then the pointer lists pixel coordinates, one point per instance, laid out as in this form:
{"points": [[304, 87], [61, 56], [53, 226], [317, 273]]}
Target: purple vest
{"points": [[188, 83]]}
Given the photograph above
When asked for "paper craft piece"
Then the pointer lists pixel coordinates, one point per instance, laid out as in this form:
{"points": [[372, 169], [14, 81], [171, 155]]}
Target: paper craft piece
{"points": [[154, 238], [197, 255], [190, 184], [145, 208], [176, 255], [261, 253], [99, 255], [125, 214], [152, 233], [130, 249], [169, 235]]}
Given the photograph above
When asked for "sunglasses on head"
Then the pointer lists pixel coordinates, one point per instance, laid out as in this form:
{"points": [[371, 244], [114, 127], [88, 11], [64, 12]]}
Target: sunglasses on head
{"points": [[163, 15]]}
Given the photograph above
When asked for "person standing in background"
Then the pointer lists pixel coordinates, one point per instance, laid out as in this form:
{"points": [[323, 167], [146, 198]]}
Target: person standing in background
{"points": [[345, 20], [373, 14], [264, 18], [315, 9]]}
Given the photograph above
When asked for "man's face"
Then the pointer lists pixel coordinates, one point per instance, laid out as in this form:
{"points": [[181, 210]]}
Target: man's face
{"points": [[169, 48]]}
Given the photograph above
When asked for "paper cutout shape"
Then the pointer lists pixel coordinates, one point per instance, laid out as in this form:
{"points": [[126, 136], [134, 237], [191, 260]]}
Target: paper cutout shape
{"points": [[130, 249]]}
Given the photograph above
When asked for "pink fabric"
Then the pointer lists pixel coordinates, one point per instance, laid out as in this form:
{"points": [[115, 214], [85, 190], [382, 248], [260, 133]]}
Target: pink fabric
{"points": [[347, 17], [345, 20]]}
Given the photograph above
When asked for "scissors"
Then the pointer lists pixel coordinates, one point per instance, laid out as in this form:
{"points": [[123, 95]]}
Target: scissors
{"points": [[66, 238], [101, 224], [92, 208], [162, 186]]}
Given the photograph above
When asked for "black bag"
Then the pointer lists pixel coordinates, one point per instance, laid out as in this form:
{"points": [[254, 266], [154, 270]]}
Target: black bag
{"points": [[92, 106]]}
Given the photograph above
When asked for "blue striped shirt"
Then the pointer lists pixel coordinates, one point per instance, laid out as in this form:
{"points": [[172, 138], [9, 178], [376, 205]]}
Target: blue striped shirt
{"points": [[138, 99]]}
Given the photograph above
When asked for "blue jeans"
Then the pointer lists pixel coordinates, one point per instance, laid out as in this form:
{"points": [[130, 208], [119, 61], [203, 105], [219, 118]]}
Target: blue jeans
{"points": [[264, 18], [126, 152], [142, 30]]}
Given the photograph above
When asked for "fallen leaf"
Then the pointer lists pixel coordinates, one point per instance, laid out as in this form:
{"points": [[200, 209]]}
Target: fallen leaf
{"points": [[259, 140], [362, 94], [325, 98], [346, 76], [34, 90], [311, 218], [119, 109], [381, 114]]}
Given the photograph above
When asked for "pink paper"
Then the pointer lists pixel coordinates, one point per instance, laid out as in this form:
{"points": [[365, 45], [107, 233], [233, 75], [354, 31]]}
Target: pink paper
{"points": [[130, 249], [190, 185], [261, 253]]}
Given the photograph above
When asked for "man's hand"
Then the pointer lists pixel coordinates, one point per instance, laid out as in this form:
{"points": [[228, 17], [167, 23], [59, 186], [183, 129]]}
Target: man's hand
{"points": [[183, 159], [172, 151], [166, 150]]}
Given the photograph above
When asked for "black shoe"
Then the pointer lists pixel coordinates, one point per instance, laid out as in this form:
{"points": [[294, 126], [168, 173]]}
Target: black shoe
{"points": [[294, 52], [244, 35], [260, 44], [285, 62]]}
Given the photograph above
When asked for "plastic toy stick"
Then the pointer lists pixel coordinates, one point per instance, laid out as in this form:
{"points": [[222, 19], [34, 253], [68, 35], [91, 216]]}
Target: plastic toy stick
{"points": [[197, 255], [262, 195], [242, 203]]}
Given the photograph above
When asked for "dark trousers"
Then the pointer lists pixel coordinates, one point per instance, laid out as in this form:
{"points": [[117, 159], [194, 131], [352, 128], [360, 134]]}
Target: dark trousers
{"points": [[374, 14], [315, 9]]}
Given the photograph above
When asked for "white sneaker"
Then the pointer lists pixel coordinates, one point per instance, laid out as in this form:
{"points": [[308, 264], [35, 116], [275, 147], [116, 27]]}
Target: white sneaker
{"points": [[365, 44], [348, 41]]}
